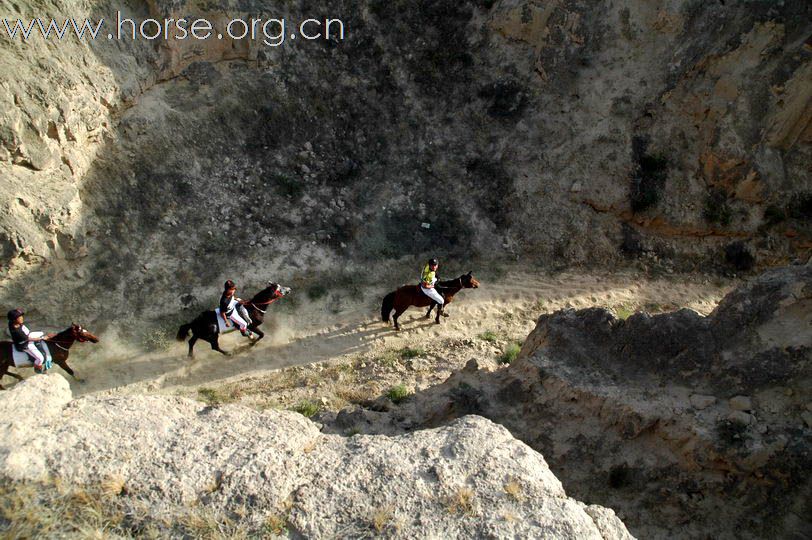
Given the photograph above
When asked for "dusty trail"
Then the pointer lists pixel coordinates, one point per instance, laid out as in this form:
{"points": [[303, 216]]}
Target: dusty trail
{"points": [[509, 306]]}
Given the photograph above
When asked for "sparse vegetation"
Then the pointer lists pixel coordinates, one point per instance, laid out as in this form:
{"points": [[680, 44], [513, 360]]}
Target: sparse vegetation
{"points": [[514, 490], [489, 336], [624, 312], [217, 396], [510, 353], [276, 525], [408, 352], [157, 340], [306, 408], [55, 510], [461, 501], [398, 394], [382, 518]]}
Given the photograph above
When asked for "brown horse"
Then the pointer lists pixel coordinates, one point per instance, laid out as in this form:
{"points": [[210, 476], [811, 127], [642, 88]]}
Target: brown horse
{"points": [[411, 295], [59, 346]]}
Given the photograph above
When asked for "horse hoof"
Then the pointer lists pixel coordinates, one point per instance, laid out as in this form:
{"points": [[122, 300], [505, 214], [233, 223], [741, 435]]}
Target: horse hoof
{"points": [[437, 322]]}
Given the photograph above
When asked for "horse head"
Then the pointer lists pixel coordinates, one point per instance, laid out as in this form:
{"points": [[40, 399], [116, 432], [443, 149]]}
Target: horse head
{"points": [[278, 290], [81, 335], [469, 281]]}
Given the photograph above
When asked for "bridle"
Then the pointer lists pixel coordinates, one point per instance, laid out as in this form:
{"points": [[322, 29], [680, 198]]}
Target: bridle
{"points": [[256, 305], [450, 286], [80, 338]]}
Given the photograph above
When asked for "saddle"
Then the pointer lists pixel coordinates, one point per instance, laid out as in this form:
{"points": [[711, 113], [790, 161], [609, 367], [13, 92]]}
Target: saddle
{"points": [[22, 359], [221, 324]]}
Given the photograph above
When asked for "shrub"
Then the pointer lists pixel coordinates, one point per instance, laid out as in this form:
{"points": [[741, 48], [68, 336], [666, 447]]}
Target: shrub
{"points": [[306, 408], [717, 209], [317, 291], [739, 256], [489, 336], [510, 353], [408, 353], [624, 312], [774, 214], [648, 178], [800, 206], [213, 397], [288, 187], [398, 394]]}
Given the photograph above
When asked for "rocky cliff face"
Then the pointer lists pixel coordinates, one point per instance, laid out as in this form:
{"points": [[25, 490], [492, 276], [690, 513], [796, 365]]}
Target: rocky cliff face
{"points": [[570, 131], [687, 425], [166, 456]]}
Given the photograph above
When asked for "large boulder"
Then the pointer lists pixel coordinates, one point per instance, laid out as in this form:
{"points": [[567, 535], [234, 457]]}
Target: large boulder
{"points": [[469, 479]]}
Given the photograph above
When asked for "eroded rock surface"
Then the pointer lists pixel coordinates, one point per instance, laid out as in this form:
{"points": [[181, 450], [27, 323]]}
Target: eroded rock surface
{"points": [[174, 453], [689, 425], [677, 133]]}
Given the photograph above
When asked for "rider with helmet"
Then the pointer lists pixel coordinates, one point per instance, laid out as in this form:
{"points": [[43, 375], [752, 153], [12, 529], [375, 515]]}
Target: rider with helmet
{"points": [[25, 340], [427, 280], [229, 309]]}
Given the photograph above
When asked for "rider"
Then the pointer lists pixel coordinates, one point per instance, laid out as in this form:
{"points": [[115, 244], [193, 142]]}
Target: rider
{"points": [[427, 280], [24, 340], [228, 309]]}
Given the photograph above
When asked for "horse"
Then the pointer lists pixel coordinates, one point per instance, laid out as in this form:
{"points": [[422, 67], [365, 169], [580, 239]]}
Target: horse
{"points": [[205, 326], [59, 346], [411, 295]]}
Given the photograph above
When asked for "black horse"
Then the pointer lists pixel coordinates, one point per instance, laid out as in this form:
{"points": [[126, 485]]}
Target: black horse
{"points": [[205, 327]]}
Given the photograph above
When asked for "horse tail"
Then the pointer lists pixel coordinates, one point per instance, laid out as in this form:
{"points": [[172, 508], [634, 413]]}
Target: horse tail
{"points": [[183, 333], [388, 306]]}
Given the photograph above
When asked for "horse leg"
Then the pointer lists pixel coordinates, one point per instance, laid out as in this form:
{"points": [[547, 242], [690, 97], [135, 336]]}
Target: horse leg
{"points": [[260, 334], [192, 346], [10, 374], [215, 345], [428, 313], [439, 314], [64, 365], [398, 313]]}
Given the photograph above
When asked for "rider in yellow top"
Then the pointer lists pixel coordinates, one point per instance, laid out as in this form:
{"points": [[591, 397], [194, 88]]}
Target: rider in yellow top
{"points": [[428, 279]]}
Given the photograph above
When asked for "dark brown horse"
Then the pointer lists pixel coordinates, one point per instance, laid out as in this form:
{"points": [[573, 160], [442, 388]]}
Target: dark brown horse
{"points": [[205, 327], [59, 346], [411, 295]]}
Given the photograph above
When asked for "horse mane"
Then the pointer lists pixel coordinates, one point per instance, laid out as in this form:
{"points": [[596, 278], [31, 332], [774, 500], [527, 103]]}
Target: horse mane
{"points": [[265, 293], [451, 282], [64, 333]]}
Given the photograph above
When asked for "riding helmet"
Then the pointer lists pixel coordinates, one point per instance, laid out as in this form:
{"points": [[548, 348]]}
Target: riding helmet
{"points": [[15, 314], [433, 262], [229, 285]]}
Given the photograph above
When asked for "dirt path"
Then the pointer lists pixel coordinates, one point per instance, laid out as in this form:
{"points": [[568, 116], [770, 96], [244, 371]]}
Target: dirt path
{"points": [[507, 307]]}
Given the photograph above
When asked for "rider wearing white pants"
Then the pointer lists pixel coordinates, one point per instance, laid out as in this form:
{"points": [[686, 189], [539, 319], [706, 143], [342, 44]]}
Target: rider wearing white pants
{"points": [[24, 339], [228, 309], [427, 280]]}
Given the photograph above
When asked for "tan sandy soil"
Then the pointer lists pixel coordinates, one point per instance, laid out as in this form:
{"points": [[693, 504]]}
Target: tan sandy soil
{"points": [[351, 356]]}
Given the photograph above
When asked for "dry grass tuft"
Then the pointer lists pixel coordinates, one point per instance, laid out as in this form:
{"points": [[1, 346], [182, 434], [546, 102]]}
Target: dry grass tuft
{"points": [[514, 490], [462, 502], [382, 518]]}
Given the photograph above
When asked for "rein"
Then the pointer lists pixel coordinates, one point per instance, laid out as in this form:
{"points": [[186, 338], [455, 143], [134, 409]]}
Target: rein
{"points": [[264, 304], [450, 286]]}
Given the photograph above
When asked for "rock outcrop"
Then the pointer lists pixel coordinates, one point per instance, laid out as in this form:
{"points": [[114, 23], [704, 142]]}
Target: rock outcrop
{"points": [[468, 479], [689, 425], [572, 132]]}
